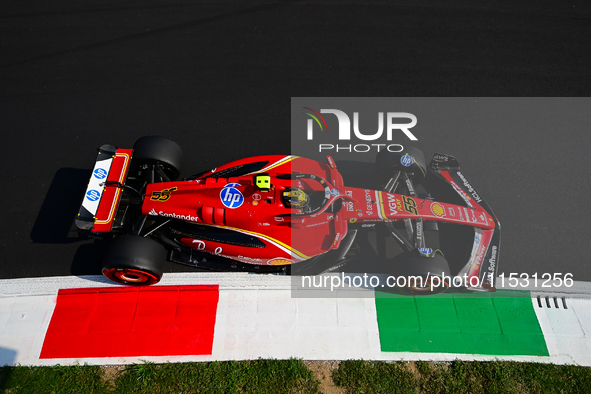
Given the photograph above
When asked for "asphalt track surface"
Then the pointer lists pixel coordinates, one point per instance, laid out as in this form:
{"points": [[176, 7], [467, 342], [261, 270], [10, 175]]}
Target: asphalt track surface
{"points": [[218, 77]]}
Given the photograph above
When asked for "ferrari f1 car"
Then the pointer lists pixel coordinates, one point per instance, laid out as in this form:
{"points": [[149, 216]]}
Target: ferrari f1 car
{"points": [[265, 213]]}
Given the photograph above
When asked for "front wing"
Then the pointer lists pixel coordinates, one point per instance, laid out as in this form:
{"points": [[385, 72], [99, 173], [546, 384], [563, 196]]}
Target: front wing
{"points": [[481, 269]]}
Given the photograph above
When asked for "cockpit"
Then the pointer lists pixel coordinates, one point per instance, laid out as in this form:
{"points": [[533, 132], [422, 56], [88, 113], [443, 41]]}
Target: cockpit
{"points": [[294, 197]]}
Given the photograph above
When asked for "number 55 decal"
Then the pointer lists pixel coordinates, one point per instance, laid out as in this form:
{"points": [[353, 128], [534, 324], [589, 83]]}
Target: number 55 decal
{"points": [[410, 205], [162, 195]]}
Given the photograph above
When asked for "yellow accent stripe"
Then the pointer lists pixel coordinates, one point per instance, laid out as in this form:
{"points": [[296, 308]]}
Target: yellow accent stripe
{"points": [[118, 192], [262, 236], [286, 159], [381, 209]]}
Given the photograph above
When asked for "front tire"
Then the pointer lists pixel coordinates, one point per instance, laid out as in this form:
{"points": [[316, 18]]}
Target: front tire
{"points": [[424, 275], [134, 260]]}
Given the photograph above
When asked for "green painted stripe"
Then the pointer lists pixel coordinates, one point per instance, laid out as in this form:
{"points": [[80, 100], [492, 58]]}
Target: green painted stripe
{"points": [[486, 323]]}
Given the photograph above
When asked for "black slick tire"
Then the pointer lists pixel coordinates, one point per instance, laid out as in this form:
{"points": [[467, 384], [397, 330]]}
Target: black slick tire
{"points": [[422, 275], [160, 151], [134, 260]]}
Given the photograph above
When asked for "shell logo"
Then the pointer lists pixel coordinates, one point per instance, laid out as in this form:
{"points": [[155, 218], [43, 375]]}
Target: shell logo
{"points": [[437, 209], [279, 262]]}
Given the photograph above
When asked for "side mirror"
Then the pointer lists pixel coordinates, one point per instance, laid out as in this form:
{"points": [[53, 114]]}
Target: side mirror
{"points": [[262, 181]]}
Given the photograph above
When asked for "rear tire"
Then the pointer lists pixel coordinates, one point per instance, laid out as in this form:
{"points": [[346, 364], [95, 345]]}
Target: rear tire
{"points": [[134, 260], [411, 160], [160, 151], [430, 270]]}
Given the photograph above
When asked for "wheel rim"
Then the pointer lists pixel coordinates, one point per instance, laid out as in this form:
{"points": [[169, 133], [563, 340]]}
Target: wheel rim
{"points": [[426, 288], [130, 276]]}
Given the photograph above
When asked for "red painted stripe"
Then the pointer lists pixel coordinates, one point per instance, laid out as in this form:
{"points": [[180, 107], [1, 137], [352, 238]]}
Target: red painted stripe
{"points": [[132, 321]]}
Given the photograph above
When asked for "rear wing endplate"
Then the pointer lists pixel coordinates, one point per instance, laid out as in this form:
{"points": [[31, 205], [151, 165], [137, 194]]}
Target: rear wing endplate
{"points": [[101, 200]]}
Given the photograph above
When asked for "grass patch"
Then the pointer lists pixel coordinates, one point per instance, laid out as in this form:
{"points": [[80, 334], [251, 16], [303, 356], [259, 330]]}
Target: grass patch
{"points": [[461, 377], [292, 376], [257, 376], [57, 379]]}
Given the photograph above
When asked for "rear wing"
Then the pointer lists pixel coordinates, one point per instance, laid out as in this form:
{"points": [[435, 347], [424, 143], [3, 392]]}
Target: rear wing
{"points": [[481, 269], [102, 195]]}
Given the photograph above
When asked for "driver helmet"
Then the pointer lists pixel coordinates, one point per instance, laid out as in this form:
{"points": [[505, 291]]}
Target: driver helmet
{"points": [[295, 197]]}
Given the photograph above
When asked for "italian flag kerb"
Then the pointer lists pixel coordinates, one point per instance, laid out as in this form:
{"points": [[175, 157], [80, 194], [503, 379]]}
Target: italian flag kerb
{"points": [[180, 321]]}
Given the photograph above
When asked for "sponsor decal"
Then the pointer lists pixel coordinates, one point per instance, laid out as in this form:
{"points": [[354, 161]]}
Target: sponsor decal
{"points": [[326, 192], [231, 197], [477, 239], [263, 224], [100, 173], [250, 259], [452, 212], [419, 232], [349, 206], [175, 216], [256, 197], [334, 192], [198, 244], [411, 189], [368, 202], [93, 195], [493, 259], [482, 217], [406, 160], [218, 251], [330, 162], [440, 158], [279, 218], [437, 209], [479, 256], [316, 224], [336, 239], [410, 205], [182, 233], [153, 212], [352, 220], [162, 195], [279, 261], [462, 193], [255, 203], [426, 251], [368, 225], [393, 204], [233, 185], [466, 214], [469, 187]]}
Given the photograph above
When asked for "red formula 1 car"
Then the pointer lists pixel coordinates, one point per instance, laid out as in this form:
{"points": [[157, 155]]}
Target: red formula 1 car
{"points": [[264, 213]]}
